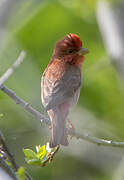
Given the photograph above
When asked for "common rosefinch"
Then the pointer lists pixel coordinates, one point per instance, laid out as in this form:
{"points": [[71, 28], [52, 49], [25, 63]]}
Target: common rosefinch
{"points": [[61, 83]]}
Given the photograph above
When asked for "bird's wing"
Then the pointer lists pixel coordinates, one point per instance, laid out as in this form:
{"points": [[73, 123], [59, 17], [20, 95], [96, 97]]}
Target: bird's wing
{"points": [[55, 92]]}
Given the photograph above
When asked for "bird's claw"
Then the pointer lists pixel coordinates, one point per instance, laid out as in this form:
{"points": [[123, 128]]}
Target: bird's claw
{"points": [[71, 128]]}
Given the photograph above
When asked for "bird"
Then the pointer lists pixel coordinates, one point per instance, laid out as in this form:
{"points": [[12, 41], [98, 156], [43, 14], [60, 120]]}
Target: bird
{"points": [[61, 83]]}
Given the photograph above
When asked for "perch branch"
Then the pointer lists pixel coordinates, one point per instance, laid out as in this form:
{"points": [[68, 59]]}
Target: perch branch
{"points": [[95, 140], [40, 116], [24, 104], [46, 120]]}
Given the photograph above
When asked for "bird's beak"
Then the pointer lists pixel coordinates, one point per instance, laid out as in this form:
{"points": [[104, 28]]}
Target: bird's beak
{"points": [[83, 51]]}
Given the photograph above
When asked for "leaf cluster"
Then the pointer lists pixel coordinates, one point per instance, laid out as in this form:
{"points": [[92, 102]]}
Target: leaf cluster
{"points": [[42, 155]]}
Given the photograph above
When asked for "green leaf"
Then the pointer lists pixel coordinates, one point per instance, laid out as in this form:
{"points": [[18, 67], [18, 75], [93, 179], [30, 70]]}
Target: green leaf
{"points": [[33, 161], [41, 156], [41, 151], [30, 154], [31, 157], [21, 173]]}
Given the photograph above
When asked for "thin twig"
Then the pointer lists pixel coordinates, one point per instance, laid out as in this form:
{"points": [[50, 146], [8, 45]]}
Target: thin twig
{"points": [[7, 169], [51, 155], [5, 149], [95, 140], [10, 156], [10, 71], [24, 104]]}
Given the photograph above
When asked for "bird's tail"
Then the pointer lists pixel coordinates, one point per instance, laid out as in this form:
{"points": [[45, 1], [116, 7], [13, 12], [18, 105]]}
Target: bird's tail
{"points": [[58, 121]]}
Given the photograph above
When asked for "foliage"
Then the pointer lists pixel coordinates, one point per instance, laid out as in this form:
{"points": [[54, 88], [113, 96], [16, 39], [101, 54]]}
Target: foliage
{"points": [[21, 173], [42, 155]]}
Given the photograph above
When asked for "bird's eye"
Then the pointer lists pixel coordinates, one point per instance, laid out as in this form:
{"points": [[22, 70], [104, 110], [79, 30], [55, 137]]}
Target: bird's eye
{"points": [[70, 51]]}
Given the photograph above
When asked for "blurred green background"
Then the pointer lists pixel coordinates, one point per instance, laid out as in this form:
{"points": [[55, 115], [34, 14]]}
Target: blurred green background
{"points": [[35, 26]]}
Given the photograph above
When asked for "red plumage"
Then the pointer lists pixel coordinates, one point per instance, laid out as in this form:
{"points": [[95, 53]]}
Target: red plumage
{"points": [[61, 83]]}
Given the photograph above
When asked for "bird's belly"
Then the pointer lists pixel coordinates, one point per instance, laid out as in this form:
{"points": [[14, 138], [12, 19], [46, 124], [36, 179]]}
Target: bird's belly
{"points": [[74, 100]]}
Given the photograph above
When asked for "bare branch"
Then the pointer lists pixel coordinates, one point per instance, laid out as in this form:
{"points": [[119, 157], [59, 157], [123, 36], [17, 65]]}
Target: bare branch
{"points": [[5, 149], [25, 105], [46, 120], [10, 71], [95, 140]]}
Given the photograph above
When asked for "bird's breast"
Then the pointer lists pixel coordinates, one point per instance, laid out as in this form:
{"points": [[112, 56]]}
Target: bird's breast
{"points": [[55, 70]]}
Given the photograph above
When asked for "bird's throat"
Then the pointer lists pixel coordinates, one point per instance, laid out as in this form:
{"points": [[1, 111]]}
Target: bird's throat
{"points": [[77, 61]]}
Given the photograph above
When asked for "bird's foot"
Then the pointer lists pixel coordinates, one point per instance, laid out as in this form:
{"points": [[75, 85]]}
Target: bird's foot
{"points": [[71, 128]]}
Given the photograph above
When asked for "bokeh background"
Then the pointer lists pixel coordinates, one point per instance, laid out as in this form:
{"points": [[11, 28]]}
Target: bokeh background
{"points": [[35, 26]]}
